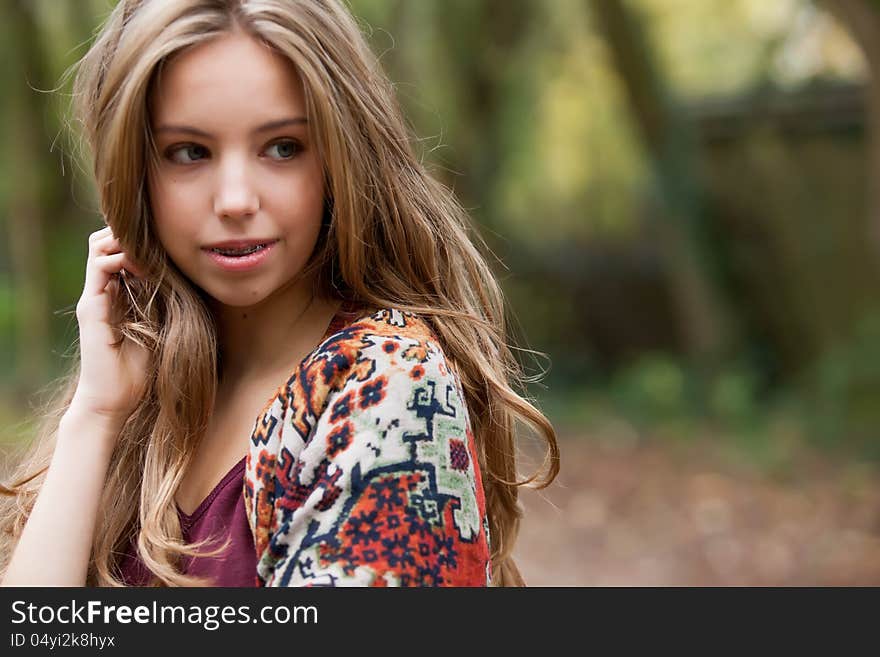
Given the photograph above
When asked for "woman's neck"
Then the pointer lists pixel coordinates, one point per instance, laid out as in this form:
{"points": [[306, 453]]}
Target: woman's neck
{"points": [[260, 340]]}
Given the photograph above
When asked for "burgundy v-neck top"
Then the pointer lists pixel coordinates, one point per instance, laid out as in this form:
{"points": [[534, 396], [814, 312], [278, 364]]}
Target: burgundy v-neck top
{"points": [[221, 515]]}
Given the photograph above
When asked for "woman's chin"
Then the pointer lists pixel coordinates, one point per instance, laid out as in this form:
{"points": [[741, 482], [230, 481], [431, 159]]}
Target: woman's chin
{"points": [[245, 297]]}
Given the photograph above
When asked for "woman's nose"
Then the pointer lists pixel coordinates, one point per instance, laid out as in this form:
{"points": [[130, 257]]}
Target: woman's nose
{"points": [[236, 195]]}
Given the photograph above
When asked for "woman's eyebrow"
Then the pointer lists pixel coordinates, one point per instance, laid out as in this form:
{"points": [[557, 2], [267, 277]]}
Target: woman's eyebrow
{"points": [[266, 127]]}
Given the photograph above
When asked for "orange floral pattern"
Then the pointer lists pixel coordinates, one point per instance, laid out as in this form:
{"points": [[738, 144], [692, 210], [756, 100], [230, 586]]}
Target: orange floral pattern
{"points": [[363, 470]]}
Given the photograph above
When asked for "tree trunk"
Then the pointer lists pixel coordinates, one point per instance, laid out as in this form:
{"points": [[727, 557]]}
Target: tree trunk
{"points": [[665, 140], [483, 39], [861, 18]]}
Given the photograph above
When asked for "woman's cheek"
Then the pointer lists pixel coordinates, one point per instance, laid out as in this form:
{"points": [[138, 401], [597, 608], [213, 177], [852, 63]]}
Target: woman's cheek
{"points": [[178, 206], [306, 199]]}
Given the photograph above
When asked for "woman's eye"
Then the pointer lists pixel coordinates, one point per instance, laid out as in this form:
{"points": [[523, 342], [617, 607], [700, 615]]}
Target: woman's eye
{"points": [[283, 150], [187, 153]]}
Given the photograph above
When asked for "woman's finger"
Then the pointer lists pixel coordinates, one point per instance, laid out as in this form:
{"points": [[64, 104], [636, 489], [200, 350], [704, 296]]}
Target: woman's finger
{"points": [[109, 245], [99, 270], [99, 234], [105, 245]]}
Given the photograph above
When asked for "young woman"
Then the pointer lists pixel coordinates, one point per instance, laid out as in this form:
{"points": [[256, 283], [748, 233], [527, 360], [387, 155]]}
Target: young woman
{"points": [[273, 250]]}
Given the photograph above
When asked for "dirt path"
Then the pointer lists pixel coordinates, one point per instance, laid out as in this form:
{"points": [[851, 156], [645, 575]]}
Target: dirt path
{"points": [[648, 516]]}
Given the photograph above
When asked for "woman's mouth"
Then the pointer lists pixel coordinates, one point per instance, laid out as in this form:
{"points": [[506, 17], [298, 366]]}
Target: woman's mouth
{"points": [[241, 258]]}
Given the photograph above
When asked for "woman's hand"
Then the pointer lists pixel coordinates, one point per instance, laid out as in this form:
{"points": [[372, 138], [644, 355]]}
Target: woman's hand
{"points": [[56, 542], [112, 377]]}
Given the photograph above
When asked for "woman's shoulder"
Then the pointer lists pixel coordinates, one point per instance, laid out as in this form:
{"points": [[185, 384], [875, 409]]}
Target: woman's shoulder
{"points": [[370, 354], [385, 333], [387, 351], [356, 324]]}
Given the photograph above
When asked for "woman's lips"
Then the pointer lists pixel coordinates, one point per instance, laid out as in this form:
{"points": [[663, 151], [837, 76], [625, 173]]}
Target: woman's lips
{"points": [[241, 263]]}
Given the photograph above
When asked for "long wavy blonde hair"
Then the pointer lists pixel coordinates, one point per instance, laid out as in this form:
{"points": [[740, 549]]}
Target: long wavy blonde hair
{"points": [[393, 237]]}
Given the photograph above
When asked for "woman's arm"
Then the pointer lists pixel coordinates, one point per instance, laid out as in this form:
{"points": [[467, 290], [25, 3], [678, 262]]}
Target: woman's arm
{"points": [[387, 489], [56, 542]]}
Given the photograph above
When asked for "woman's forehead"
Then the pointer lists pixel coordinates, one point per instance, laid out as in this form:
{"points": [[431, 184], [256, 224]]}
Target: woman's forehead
{"points": [[233, 77]]}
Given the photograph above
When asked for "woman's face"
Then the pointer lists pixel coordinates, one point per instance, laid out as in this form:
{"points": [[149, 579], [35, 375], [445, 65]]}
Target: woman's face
{"points": [[235, 165]]}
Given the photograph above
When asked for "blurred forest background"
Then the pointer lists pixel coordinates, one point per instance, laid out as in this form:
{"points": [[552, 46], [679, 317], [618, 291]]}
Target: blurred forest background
{"points": [[684, 203]]}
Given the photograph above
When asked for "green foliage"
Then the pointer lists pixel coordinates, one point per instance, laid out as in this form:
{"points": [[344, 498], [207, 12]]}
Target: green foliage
{"points": [[652, 401], [733, 399], [653, 389], [843, 389]]}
